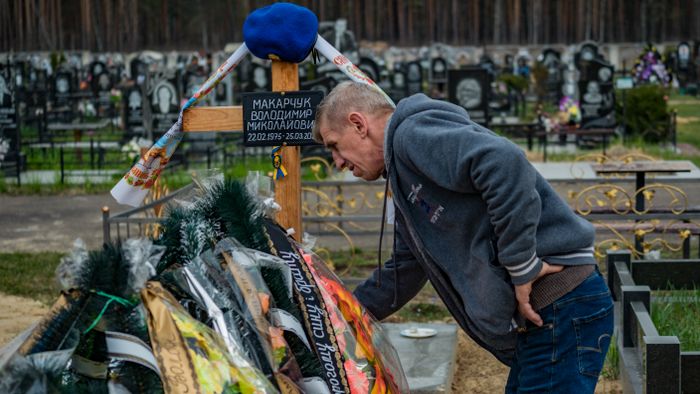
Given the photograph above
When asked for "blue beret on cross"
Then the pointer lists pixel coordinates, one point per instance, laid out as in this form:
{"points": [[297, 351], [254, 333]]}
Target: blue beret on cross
{"points": [[281, 31]]}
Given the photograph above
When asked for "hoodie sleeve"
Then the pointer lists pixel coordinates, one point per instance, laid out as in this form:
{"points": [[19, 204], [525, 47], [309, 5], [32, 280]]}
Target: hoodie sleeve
{"points": [[461, 156], [402, 278]]}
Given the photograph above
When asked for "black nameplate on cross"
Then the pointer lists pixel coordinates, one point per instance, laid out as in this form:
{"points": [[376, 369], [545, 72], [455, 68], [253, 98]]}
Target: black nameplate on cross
{"points": [[279, 118]]}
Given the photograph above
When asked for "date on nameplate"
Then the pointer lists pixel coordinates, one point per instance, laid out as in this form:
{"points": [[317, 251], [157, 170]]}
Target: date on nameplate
{"points": [[277, 118]]}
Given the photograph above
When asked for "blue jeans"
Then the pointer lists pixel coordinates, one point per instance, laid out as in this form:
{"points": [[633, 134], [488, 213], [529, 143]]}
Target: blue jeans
{"points": [[566, 354]]}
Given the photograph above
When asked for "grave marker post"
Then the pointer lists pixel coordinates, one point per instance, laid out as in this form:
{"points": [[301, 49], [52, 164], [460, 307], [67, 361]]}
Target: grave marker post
{"points": [[285, 77]]}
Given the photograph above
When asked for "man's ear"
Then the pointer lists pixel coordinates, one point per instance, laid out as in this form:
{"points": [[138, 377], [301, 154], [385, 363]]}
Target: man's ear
{"points": [[359, 123]]}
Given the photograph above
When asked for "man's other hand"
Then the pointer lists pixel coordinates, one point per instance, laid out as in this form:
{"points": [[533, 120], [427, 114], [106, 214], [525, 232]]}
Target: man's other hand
{"points": [[522, 294]]}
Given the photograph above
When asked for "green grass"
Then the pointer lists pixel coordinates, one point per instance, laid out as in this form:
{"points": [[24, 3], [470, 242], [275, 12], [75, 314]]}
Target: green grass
{"points": [[679, 316], [30, 275], [688, 107], [611, 368]]}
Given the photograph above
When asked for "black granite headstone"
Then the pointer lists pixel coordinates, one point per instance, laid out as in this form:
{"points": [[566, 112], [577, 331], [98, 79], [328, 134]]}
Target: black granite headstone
{"points": [[684, 67], [551, 60], [399, 85], [597, 96], [62, 87], [587, 53], [9, 135], [324, 84], [138, 71], [259, 79], [470, 88], [164, 102], [370, 68], [414, 77], [8, 113], [223, 94], [133, 109]]}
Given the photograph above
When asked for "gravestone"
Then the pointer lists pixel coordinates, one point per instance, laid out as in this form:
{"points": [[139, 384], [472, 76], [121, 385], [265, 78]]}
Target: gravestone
{"points": [[522, 67], [437, 77], [414, 78], [38, 80], [438, 70], [597, 95], [19, 70], [63, 86], [7, 99], [133, 110], [487, 63], [138, 71], [569, 87], [95, 69], [399, 85], [508, 65], [259, 79], [164, 102], [9, 130], [191, 81], [370, 68], [551, 60], [102, 87], [470, 88], [223, 93], [588, 51], [684, 67], [324, 84]]}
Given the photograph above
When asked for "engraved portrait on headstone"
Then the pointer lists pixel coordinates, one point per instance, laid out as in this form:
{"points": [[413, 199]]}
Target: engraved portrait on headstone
{"points": [[97, 68], [597, 95], [164, 98], [683, 56], [468, 93], [164, 103], [414, 78], [438, 70], [8, 112], [62, 84], [259, 80], [470, 89], [19, 69], [104, 82], [592, 94]]}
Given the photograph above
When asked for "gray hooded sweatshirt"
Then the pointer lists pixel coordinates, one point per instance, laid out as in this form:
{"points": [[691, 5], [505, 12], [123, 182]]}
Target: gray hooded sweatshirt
{"points": [[473, 216]]}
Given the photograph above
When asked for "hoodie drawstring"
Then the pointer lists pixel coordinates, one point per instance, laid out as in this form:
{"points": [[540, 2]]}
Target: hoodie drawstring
{"points": [[381, 234], [379, 252]]}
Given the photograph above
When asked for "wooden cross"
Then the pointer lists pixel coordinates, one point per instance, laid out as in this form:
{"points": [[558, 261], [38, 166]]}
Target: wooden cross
{"points": [[285, 77]]}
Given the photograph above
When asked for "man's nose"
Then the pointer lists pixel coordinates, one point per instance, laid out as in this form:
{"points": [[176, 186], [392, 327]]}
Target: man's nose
{"points": [[338, 160]]}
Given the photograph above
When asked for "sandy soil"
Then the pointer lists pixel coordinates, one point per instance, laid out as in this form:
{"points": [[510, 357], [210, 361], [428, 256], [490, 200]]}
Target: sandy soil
{"points": [[478, 372], [17, 314]]}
